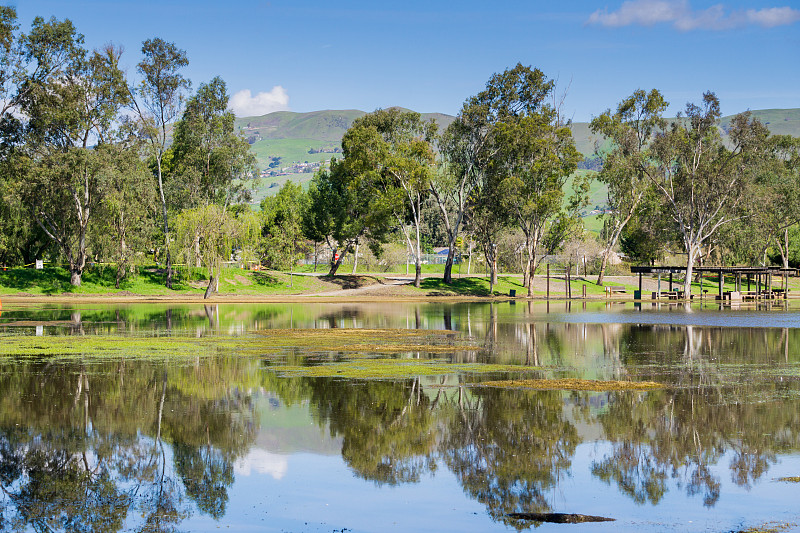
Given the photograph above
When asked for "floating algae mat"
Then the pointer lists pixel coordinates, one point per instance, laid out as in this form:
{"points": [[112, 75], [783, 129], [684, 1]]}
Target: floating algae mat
{"points": [[394, 368], [261, 343], [573, 384]]}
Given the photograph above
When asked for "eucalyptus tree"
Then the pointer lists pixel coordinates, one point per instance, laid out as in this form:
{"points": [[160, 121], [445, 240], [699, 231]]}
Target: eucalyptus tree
{"points": [[398, 145], [465, 147], [345, 207], [211, 162], [631, 130], [27, 61], [30, 60], [778, 202], [71, 117], [159, 97], [534, 153], [701, 181]]}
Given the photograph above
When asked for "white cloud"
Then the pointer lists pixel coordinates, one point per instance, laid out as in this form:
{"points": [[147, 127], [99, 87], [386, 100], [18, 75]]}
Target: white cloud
{"points": [[262, 462], [682, 17], [773, 16], [244, 104]]}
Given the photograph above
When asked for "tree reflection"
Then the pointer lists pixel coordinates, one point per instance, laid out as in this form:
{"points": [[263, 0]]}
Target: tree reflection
{"points": [[388, 430], [509, 448], [88, 459]]}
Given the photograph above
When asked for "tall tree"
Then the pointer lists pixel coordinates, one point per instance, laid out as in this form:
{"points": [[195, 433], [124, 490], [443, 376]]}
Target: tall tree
{"points": [[71, 118], [534, 153], [701, 180], [212, 163], [27, 62], [631, 130], [398, 146], [466, 150], [160, 97]]}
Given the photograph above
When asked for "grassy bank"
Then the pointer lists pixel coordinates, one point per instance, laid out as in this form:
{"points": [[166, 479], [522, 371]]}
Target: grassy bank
{"points": [[191, 283]]}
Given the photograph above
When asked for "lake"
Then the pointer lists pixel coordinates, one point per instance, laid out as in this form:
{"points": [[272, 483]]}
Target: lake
{"points": [[387, 416]]}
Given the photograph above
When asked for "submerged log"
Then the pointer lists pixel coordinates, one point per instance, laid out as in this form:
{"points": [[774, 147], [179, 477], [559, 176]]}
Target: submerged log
{"points": [[560, 518]]}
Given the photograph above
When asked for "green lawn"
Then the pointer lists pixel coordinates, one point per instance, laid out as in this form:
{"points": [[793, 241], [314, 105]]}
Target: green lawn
{"points": [[150, 282]]}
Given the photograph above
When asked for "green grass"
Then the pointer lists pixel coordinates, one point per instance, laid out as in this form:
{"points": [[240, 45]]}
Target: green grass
{"points": [[150, 282]]}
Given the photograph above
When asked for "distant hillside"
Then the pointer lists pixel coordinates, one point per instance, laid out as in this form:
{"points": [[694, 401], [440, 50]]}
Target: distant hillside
{"points": [[292, 145]]}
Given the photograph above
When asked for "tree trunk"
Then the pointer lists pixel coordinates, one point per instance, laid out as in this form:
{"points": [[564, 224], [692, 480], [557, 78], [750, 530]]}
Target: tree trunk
{"points": [[687, 283], [531, 272], [197, 262], [355, 259], [166, 224], [603, 264], [211, 286], [418, 261], [448, 266], [336, 264], [785, 255]]}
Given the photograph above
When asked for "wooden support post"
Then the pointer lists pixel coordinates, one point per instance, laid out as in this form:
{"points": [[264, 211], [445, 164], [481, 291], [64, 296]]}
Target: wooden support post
{"points": [[640, 282], [548, 281], [748, 283], [659, 285], [670, 282], [701, 284], [569, 290], [721, 280]]}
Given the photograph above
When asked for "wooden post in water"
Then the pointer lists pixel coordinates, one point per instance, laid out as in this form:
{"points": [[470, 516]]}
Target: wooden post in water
{"points": [[670, 281], [721, 281]]}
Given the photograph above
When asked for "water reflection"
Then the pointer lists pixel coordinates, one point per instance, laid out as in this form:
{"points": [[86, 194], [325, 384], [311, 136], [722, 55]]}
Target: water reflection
{"points": [[152, 446], [83, 447]]}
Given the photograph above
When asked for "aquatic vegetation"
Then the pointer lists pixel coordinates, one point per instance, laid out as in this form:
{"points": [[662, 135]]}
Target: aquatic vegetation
{"points": [[394, 369], [770, 527], [358, 342], [573, 384]]}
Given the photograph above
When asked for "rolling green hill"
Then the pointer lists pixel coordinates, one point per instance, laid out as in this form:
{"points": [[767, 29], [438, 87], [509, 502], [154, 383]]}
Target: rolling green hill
{"points": [[287, 140]]}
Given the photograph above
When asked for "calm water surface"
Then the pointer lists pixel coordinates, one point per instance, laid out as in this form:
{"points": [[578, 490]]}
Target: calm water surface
{"points": [[225, 442]]}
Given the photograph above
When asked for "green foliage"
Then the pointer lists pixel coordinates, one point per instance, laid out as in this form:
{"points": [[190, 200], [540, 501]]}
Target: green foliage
{"points": [[282, 242], [628, 160], [212, 162], [208, 235]]}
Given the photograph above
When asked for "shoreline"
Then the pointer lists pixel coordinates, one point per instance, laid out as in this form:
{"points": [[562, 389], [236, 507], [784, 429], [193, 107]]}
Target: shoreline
{"points": [[400, 290]]}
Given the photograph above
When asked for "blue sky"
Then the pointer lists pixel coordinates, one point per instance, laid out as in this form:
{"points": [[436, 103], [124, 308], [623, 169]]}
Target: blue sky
{"points": [[431, 55]]}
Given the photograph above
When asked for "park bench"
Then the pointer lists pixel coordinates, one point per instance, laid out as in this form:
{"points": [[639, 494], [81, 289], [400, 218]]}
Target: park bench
{"points": [[672, 295], [614, 289]]}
